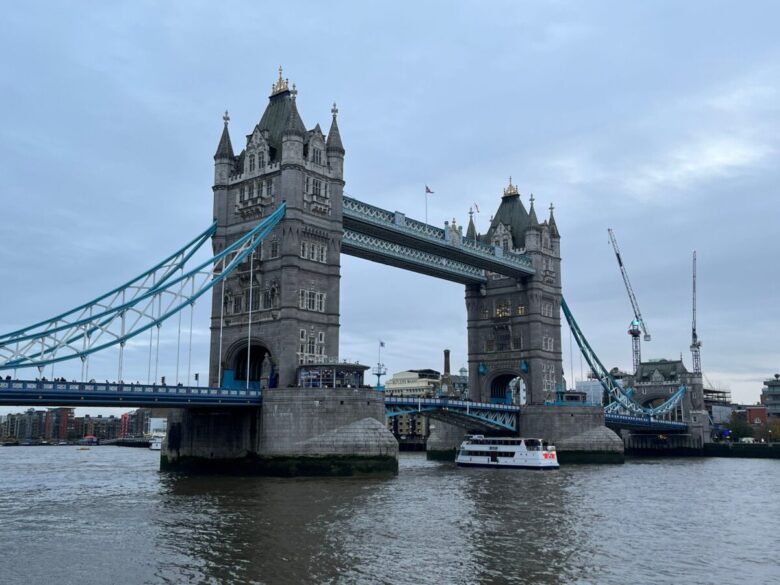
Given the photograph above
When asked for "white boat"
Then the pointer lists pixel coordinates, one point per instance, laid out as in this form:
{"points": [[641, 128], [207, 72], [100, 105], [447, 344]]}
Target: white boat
{"points": [[512, 452], [156, 444]]}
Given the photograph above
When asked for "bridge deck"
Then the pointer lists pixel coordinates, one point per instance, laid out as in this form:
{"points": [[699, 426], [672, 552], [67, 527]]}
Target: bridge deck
{"points": [[44, 393], [482, 415]]}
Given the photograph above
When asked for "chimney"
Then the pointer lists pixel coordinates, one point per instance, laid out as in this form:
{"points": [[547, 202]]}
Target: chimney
{"points": [[446, 362]]}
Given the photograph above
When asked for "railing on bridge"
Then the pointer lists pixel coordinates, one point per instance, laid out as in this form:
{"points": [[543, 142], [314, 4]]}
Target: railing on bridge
{"points": [[622, 421], [396, 222], [120, 394], [476, 415]]}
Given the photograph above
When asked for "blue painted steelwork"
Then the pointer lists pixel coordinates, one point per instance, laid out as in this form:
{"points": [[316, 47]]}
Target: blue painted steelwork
{"points": [[621, 398], [167, 267], [43, 393], [460, 412], [473, 415], [79, 332], [622, 421], [373, 248], [402, 236]]}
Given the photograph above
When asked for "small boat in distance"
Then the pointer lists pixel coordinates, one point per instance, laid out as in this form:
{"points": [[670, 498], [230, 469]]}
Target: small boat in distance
{"points": [[512, 452], [156, 443]]}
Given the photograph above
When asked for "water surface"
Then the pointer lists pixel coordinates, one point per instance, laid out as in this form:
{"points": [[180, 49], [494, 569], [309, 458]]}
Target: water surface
{"points": [[107, 515]]}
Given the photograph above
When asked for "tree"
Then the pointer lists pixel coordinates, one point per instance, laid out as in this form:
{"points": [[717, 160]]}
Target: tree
{"points": [[738, 427], [763, 432]]}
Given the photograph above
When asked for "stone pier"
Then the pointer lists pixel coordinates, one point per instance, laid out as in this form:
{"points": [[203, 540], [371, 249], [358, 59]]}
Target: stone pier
{"points": [[443, 441], [578, 433], [297, 431]]}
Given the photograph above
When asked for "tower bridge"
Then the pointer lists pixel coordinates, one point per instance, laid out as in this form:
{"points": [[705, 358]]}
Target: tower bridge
{"points": [[281, 222]]}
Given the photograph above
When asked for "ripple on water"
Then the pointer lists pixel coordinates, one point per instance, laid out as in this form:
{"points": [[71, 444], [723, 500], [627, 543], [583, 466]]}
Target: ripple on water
{"points": [[108, 511]]}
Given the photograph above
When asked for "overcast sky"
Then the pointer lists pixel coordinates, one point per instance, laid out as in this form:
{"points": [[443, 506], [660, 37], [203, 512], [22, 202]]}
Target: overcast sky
{"points": [[658, 119]]}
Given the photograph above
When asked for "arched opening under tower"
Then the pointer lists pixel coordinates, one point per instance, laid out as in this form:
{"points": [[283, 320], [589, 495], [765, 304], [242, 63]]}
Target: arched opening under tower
{"points": [[250, 366], [501, 393]]}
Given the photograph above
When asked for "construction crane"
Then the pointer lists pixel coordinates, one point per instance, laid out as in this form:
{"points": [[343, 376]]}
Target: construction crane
{"points": [[695, 343], [637, 326]]}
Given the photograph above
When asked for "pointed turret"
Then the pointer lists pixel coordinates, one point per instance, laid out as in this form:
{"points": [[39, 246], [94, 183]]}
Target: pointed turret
{"points": [[225, 148], [334, 137], [551, 222], [295, 125], [534, 222], [471, 231]]}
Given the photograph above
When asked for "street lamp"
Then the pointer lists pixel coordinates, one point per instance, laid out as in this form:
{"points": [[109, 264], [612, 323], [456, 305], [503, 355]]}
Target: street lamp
{"points": [[769, 440]]}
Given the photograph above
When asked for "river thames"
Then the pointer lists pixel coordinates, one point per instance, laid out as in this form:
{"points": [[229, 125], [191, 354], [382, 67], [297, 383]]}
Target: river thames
{"points": [[106, 515]]}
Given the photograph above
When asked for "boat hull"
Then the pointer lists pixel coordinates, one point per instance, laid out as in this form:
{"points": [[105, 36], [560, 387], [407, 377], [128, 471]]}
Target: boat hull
{"points": [[506, 466]]}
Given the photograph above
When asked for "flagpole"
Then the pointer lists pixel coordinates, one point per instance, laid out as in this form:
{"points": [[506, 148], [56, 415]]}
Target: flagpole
{"points": [[426, 205]]}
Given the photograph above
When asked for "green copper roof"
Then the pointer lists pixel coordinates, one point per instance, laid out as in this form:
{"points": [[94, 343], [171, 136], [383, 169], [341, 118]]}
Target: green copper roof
{"points": [[511, 213], [276, 118]]}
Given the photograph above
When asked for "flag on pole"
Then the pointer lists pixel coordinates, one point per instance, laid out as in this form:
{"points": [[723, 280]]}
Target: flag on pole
{"points": [[428, 190], [381, 343], [476, 206]]}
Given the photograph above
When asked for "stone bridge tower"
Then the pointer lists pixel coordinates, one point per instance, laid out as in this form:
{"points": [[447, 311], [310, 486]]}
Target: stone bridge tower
{"points": [[280, 309], [514, 327]]}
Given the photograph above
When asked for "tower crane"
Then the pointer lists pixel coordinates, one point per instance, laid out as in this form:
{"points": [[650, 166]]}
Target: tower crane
{"points": [[637, 326], [695, 343]]}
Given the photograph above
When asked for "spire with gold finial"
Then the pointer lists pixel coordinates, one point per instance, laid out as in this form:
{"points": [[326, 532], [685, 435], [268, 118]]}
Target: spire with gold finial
{"points": [[281, 84], [511, 190]]}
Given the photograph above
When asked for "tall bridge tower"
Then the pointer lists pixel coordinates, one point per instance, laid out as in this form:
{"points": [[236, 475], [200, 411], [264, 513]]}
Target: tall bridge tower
{"points": [[281, 309], [514, 326]]}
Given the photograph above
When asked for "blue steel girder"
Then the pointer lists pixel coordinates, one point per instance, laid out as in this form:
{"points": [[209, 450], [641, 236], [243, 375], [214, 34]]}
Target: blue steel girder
{"points": [[45, 393], [462, 413], [393, 254], [145, 302], [396, 228], [646, 423]]}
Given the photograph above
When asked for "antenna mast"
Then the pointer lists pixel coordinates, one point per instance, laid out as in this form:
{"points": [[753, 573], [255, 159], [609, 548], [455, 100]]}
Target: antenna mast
{"points": [[638, 324], [695, 343]]}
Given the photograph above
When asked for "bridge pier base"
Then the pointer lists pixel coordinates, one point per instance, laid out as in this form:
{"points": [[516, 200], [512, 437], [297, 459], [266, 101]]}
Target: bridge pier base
{"points": [[578, 433], [297, 432], [443, 441]]}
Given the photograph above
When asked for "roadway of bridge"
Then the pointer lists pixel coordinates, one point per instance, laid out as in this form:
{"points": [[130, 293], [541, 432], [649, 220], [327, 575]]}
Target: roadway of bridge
{"points": [[123, 395]]}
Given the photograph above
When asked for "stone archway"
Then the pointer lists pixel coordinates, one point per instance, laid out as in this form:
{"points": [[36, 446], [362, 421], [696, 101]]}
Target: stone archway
{"points": [[248, 365], [500, 391]]}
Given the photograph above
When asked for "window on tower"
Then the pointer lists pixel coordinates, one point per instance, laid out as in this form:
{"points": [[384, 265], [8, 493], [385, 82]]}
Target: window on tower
{"points": [[503, 339], [251, 163], [503, 308]]}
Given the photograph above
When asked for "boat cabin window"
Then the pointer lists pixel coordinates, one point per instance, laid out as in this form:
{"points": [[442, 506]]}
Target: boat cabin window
{"points": [[533, 444]]}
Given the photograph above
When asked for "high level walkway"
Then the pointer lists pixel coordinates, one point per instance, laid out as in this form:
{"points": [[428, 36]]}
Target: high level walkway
{"points": [[391, 238]]}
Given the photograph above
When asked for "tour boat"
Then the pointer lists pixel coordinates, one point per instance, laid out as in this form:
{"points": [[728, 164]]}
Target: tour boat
{"points": [[512, 452], [156, 444]]}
